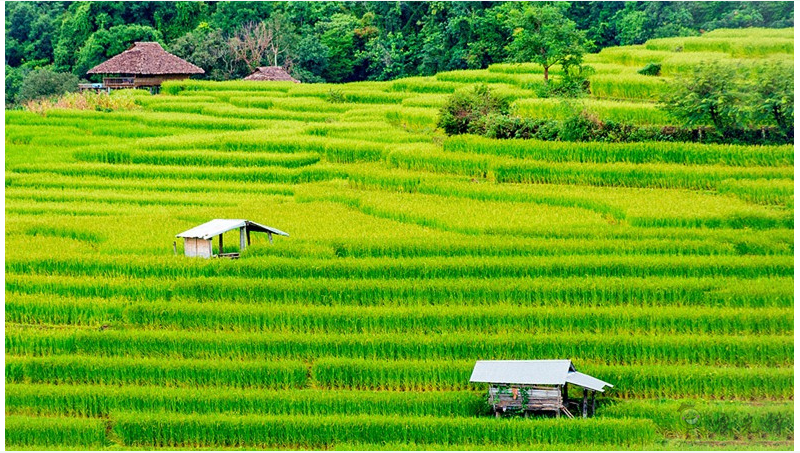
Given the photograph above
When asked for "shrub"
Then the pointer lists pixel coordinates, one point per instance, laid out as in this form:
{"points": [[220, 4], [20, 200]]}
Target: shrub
{"points": [[43, 83], [504, 126], [652, 69], [469, 112], [336, 96]]}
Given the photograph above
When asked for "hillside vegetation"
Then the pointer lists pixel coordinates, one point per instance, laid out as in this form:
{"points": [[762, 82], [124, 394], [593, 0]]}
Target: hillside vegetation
{"points": [[663, 268]]}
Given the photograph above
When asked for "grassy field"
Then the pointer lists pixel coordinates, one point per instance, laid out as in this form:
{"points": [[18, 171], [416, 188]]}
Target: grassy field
{"points": [[663, 268]]}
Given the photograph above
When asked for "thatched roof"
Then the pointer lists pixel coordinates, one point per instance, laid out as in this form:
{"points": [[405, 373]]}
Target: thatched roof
{"points": [[271, 74], [146, 58]]}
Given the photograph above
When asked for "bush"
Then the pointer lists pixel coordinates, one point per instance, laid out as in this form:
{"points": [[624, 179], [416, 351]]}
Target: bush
{"points": [[652, 69], [505, 126], [336, 96], [583, 126], [43, 83], [470, 112]]}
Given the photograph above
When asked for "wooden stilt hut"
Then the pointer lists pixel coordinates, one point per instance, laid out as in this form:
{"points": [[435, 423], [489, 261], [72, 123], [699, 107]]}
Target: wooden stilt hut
{"points": [[143, 65]]}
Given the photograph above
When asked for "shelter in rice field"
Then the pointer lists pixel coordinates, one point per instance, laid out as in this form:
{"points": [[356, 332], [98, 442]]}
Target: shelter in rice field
{"points": [[526, 386], [198, 241], [143, 65], [271, 74]]}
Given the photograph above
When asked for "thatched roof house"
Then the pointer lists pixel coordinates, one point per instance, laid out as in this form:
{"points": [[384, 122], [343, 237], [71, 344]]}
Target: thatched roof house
{"points": [[271, 74], [145, 64]]}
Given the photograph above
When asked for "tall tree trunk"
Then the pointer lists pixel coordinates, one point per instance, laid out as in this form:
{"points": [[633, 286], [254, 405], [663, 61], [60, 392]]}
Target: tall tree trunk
{"points": [[547, 74]]}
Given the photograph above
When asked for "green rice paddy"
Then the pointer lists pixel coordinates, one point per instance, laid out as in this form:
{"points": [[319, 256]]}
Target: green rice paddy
{"points": [[663, 268]]}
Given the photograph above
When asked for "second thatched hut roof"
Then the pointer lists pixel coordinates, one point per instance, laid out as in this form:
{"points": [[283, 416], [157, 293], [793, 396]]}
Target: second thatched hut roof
{"points": [[271, 74]]}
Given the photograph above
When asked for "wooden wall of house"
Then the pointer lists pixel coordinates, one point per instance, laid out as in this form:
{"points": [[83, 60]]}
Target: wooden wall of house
{"points": [[197, 247]]}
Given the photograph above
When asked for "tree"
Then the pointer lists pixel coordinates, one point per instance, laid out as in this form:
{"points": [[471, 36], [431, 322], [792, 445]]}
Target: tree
{"points": [[309, 58], [44, 83], [208, 48], [630, 25], [283, 37], [773, 92], [543, 35], [710, 94], [14, 78], [250, 44], [338, 35], [176, 19], [387, 57]]}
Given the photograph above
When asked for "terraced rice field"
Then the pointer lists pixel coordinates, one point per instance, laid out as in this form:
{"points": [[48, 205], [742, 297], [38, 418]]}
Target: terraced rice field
{"points": [[663, 268]]}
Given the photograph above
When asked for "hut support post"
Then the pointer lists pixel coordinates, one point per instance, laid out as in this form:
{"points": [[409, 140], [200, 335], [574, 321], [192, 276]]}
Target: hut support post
{"points": [[565, 395], [269, 235], [248, 235], [592, 406], [242, 239], [220, 244], [585, 405], [174, 247]]}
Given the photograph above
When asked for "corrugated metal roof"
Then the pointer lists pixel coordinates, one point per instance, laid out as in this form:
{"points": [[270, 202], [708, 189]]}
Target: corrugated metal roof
{"points": [[218, 226], [552, 372], [533, 372], [589, 382]]}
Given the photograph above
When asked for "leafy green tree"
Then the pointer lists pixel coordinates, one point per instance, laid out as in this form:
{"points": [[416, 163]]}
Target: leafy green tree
{"points": [[76, 28], [44, 83], [174, 20], [31, 29], [344, 35], [543, 35], [710, 94], [387, 57], [630, 26], [773, 96], [14, 78], [310, 58]]}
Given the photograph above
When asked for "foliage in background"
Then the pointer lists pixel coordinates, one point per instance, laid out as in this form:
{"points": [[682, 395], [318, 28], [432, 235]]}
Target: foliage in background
{"points": [[347, 41]]}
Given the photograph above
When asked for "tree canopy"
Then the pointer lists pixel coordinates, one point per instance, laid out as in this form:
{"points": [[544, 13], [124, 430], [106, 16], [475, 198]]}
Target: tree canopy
{"points": [[348, 41], [543, 35]]}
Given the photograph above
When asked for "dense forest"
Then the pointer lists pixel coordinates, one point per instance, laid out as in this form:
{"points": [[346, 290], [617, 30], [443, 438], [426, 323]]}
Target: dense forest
{"points": [[340, 41]]}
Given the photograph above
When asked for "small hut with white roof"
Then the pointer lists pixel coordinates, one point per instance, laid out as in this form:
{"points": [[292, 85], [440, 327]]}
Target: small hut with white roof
{"points": [[198, 241], [536, 385]]}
